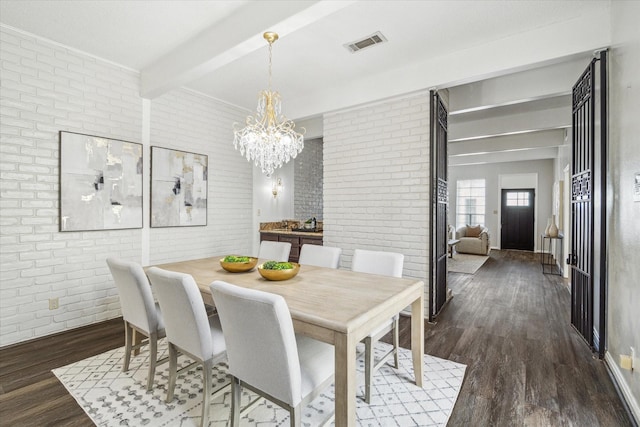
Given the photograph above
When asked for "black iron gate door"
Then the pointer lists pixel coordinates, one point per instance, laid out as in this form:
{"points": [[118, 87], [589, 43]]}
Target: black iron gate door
{"points": [[439, 203], [582, 230]]}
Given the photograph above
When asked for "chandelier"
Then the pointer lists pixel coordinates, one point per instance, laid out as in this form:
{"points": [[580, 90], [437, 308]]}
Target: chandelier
{"points": [[268, 139]]}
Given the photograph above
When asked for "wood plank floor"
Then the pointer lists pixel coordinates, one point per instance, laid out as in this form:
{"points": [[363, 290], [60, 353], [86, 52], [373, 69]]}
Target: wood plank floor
{"points": [[508, 323]]}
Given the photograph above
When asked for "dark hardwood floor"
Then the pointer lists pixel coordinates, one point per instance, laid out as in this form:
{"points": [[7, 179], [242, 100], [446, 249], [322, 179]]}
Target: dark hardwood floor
{"points": [[526, 365], [508, 323]]}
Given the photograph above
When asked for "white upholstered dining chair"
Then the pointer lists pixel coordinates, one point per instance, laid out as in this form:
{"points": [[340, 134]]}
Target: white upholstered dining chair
{"points": [[189, 330], [385, 264], [274, 251], [264, 353], [320, 256], [139, 311]]}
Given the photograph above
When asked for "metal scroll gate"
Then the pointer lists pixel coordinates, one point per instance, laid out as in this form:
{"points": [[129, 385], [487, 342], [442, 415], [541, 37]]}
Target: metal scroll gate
{"points": [[439, 205], [588, 186]]}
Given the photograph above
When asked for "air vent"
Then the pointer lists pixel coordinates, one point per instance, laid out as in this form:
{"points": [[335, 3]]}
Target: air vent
{"points": [[372, 40]]}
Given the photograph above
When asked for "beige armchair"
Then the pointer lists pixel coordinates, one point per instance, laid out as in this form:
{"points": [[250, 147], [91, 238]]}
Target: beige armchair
{"points": [[473, 240]]}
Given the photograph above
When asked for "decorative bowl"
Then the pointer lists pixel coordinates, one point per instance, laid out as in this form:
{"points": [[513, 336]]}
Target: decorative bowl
{"points": [[276, 275], [239, 267]]}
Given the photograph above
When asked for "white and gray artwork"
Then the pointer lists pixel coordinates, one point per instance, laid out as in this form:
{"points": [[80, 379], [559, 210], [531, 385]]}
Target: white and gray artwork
{"points": [[100, 183], [178, 188]]}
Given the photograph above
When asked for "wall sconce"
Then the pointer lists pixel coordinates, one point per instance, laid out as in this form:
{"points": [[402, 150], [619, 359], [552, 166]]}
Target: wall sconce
{"points": [[277, 187]]}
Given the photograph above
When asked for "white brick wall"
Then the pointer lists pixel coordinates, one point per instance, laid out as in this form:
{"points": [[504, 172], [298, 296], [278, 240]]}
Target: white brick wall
{"points": [[187, 121], [376, 181], [45, 88]]}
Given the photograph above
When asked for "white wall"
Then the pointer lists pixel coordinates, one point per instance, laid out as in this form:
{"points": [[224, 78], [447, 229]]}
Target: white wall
{"points": [[491, 173], [46, 88], [376, 181], [624, 213], [266, 208]]}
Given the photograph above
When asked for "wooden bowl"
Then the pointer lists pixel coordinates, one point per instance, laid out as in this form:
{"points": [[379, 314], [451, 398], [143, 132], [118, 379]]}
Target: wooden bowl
{"points": [[239, 267], [277, 275]]}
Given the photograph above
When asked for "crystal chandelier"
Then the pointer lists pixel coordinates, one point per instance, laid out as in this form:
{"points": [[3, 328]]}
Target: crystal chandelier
{"points": [[268, 139]]}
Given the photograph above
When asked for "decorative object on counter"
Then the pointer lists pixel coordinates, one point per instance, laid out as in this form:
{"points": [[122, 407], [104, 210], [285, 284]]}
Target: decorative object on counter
{"points": [[276, 187], [552, 231], [178, 188], [100, 183], [268, 139], [310, 224], [238, 264], [276, 271]]}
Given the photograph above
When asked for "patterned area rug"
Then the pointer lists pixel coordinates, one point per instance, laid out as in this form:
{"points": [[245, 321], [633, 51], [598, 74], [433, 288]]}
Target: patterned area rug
{"points": [[465, 263], [114, 398]]}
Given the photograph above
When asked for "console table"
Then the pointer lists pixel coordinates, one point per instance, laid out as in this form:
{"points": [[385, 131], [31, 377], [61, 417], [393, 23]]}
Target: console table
{"points": [[451, 244], [550, 264]]}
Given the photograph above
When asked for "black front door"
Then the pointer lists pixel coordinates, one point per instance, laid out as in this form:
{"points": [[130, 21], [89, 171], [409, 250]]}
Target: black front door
{"points": [[517, 219]]}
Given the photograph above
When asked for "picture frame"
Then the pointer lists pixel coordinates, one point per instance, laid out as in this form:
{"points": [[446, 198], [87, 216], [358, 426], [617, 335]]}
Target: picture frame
{"points": [[100, 183], [179, 188]]}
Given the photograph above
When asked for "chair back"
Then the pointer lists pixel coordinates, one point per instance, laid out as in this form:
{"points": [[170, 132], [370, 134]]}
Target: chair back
{"points": [[136, 299], [261, 343], [274, 251], [320, 256], [377, 262], [185, 317]]}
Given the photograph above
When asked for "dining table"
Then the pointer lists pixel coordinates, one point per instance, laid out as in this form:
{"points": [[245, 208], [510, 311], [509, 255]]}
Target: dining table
{"points": [[336, 306]]}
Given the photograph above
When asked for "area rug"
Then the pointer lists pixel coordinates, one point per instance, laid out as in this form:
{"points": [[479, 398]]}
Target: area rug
{"points": [[465, 263], [111, 397]]}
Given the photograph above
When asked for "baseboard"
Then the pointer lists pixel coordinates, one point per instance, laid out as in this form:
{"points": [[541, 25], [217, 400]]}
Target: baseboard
{"points": [[623, 388]]}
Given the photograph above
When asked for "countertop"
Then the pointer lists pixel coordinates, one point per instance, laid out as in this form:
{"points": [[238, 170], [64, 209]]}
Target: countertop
{"points": [[288, 232]]}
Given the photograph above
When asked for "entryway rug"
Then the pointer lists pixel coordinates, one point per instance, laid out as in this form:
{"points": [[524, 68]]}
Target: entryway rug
{"points": [[465, 263], [111, 397]]}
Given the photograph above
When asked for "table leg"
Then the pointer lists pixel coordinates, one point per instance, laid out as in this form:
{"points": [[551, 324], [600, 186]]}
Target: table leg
{"points": [[345, 380], [417, 338]]}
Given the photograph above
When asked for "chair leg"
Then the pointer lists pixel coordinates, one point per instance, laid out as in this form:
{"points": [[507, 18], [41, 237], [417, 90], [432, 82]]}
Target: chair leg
{"points": [[173, 371], [368, 368], [396, 341], [236, 394], [295, 415], [128, 332], [153, 358], [207, 381]]}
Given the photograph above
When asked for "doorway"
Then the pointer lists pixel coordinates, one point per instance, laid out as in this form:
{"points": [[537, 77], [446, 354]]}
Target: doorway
{"points": [[517, 219]]}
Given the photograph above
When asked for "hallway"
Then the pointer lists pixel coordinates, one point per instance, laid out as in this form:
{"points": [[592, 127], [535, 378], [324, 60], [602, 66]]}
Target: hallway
{"points": [[525, 364]]}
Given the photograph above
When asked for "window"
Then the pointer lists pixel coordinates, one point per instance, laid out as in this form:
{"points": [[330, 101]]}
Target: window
{"points": [[518, 198], [470, 202]]}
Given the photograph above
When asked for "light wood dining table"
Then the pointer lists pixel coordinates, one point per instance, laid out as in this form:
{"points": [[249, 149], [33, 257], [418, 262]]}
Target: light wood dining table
{"points": [[339, 307]]}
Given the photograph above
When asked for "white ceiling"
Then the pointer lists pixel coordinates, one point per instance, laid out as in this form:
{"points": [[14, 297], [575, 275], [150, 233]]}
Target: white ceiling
{"points": [[216, 47]]}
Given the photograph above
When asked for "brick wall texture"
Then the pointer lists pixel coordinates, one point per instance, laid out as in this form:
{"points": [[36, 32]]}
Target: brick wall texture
{"points": [[46, 88], [376, 181], [308, 167]]}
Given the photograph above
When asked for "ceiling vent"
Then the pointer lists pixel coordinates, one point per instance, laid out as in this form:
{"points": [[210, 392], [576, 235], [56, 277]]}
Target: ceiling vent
{"points": [[372, 40]]}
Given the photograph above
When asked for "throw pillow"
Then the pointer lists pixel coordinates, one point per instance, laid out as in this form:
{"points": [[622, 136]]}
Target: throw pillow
{"points": [[473, 231]]}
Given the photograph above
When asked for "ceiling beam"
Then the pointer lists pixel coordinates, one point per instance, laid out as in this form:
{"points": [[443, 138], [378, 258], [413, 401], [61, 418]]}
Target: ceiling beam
{"points": [[505, 156], [537, 83], [236, 36], [509, 124], [540, 139]]}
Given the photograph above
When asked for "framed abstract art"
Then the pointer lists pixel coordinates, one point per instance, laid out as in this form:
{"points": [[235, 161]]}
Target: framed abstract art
{"points": [[178, 188], [100, 183]]}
